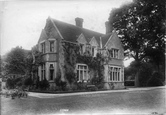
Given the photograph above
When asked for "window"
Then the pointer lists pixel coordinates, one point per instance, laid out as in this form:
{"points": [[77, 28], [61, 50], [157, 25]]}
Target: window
{"points": [[81, 49], [51, 46], [51, 71], [93, 51], [114, 53], [82, 72], [43, 72], [88, 48], [114, 73], [43, 47]]}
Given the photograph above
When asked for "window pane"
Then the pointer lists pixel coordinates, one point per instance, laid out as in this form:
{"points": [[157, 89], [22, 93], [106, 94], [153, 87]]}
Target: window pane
{"points": [[77, 75], [85, 76], [81, 75], [51, 74], [51, 46]]}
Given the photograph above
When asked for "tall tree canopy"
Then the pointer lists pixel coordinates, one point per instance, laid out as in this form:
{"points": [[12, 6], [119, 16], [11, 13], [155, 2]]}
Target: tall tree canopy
{"points": [[16, 61], [141, 25]]}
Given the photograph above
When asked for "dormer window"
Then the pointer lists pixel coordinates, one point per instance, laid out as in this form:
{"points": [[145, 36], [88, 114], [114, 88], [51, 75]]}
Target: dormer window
{"points": [[81, 49], [43, 48], [93, 51], [114, 53], [51, 46]]}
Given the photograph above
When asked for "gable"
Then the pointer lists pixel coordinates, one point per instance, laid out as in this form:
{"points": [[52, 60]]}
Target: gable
{"points": [[81, 39], [51, 29], [43, 36], [93, 42], [115, 43]]}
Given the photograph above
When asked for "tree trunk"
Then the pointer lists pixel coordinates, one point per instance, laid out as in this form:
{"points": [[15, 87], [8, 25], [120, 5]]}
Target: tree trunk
{"points": [[137, 79]]}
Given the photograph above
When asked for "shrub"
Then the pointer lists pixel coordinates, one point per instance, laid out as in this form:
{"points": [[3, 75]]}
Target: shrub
{"points": [[81, 85], [145, 74], [44, 84], [156, 80], [129, 83], [70, 76], [28, 81], [59, 83], [98, 82], [10, 83]]}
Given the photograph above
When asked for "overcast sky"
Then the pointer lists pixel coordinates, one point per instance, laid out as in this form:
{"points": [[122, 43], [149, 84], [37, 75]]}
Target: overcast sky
{"points": [[22, 21]]}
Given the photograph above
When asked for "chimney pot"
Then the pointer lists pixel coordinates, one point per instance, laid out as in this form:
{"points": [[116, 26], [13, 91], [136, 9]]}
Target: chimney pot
{"points": [[79, 22]]}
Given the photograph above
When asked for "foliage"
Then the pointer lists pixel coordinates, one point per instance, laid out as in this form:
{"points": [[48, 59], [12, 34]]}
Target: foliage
{"points": [[141, 27], [18, 81], [15, 61], [129, 83], [59, 83], [44, 84], [10, 83], [70, 76], [157, 79], [28, 81], [72, 56], [141, 24], [145, 73]]}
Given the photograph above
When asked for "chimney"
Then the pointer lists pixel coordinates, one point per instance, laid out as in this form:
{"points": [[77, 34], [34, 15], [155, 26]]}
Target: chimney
{"points": [[79, 22], [108, 27]]}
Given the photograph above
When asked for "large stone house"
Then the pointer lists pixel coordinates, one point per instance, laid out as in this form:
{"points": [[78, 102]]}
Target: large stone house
{"points": [[55, 33]]}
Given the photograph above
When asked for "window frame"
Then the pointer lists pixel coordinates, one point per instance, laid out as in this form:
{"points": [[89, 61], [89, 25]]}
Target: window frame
{"points": [[50, 69], [114, 74], [115, 53], [51, 42], [43, 71], [83, 70], [43, 47]]}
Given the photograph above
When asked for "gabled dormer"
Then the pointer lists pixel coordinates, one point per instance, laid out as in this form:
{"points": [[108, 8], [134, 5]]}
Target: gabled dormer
{"points": [[81, 39], [94, 46], [114, 46], [82, 42]]}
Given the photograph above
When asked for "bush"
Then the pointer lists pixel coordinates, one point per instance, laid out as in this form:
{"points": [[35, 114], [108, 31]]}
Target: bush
{"points": [[28, 81], [129, 83], [44, 84], [145, 74], [156, 79], [59, 83], [10, 83], [98, 82], [70, 76], [81, 85]]}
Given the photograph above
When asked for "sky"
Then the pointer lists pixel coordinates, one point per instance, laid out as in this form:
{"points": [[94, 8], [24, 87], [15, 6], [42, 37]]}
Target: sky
{"points": [[21, 21]]}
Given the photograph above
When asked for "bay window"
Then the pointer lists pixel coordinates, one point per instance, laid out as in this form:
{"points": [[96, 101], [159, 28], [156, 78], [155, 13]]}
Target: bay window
{"points": [[114, 73]]}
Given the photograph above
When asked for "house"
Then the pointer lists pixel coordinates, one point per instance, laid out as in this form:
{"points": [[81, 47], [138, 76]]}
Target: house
{"points": [[56, 33]]}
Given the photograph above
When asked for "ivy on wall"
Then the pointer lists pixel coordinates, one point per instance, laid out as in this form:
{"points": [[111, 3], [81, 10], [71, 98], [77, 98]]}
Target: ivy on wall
{"points": [[73, 56]]}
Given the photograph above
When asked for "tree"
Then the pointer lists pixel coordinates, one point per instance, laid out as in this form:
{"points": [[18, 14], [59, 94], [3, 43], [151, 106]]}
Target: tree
{"points": [[140, 25], [15, 61]]}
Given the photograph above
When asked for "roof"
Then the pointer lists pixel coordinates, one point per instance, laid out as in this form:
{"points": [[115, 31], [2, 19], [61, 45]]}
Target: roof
{"points": [[105, 38], [71, 32]]}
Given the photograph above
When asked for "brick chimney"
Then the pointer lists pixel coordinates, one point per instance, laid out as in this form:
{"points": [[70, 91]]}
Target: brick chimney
{"points": [[79, 22], [108, 27]]}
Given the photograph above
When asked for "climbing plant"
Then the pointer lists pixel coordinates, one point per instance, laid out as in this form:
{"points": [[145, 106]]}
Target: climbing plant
{"points": [[73, 56]]}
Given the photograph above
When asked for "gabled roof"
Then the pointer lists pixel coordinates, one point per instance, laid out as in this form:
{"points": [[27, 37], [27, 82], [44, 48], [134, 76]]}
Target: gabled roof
{"points": [[71, 32], [105, 38], [43, 35]]}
